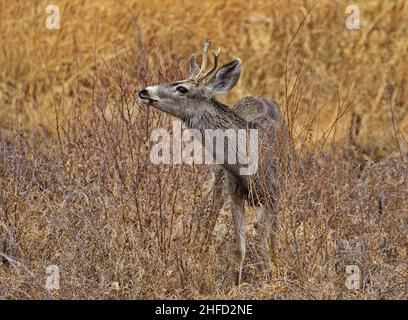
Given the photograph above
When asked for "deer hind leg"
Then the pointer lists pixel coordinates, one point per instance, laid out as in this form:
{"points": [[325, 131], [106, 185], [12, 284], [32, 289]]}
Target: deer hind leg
{"points": [[237, 208], [266, 228]]}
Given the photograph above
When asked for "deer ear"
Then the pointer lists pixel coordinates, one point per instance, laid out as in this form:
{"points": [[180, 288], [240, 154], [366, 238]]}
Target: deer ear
{"points": [[226, 77], [194, 68]]}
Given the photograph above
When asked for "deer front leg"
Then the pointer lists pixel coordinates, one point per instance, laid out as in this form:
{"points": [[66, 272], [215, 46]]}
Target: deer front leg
{"points": [[237, 208], [218, 189]]}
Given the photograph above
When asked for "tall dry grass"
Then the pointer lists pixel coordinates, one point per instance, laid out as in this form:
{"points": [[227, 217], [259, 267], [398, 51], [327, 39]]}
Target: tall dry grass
{"points": [[39, 64], [79, 190]]}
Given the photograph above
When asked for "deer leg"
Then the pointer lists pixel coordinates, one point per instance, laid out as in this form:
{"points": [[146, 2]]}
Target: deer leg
{"points": [[266, 227], [237, 208], [218, 188]]}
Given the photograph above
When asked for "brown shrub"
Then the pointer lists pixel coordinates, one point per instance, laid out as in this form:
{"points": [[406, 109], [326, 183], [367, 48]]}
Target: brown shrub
{"points": [[90, 201]]}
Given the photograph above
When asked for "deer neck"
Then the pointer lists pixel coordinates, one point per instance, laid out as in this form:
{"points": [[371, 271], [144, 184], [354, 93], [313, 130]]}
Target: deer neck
{"points": [[219, 117], [215, 115]]}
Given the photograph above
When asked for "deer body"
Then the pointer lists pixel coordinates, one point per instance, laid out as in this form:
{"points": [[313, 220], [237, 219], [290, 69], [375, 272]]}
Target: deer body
{"points": [[192, 101]]}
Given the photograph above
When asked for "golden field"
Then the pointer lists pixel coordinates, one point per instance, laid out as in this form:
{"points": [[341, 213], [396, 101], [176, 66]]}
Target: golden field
{"points": [[78, 190]]}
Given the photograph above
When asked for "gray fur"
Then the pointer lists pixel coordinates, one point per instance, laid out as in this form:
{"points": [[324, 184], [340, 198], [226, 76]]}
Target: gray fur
{"points": [[200, 110]]}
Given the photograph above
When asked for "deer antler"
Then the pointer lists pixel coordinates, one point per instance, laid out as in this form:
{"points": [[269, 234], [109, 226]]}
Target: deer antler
{"points": [[202, 74], [216, 54], [204, 57]]}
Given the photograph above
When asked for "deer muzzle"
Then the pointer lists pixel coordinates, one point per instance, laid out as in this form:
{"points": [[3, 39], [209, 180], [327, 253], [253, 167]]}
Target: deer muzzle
{"points": [[146, 97]]}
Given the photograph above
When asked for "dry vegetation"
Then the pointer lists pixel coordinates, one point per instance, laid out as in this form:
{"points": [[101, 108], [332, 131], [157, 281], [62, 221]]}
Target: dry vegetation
{"points": [[78, 189]]}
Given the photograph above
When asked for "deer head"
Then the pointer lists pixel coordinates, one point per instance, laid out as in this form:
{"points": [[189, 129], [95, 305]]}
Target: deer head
{"points": [[191, 96]]}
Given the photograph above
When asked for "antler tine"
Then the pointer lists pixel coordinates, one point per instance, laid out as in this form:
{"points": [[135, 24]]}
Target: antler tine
{"points": [[204, 58], [216, 54]]}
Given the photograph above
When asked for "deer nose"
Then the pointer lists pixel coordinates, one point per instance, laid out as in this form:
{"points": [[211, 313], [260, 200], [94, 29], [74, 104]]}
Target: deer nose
{"points": [[144, 94]]}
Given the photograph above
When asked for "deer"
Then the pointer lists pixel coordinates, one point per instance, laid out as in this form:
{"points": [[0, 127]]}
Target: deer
{"points": [[193, 101]]}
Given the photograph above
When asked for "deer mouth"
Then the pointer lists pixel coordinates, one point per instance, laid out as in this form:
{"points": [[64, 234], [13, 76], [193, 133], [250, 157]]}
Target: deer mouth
{"points": [[146, 100], [145, 97]]}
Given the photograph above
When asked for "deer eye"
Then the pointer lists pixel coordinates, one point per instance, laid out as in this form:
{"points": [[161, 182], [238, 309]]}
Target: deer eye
{"points": [[182, 90]]}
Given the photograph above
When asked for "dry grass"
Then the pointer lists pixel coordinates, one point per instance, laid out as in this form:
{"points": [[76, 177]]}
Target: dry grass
{"points": [[79, 190]]}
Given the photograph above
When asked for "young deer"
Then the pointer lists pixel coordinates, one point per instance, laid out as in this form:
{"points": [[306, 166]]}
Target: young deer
{"points": [[192, 101]]}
